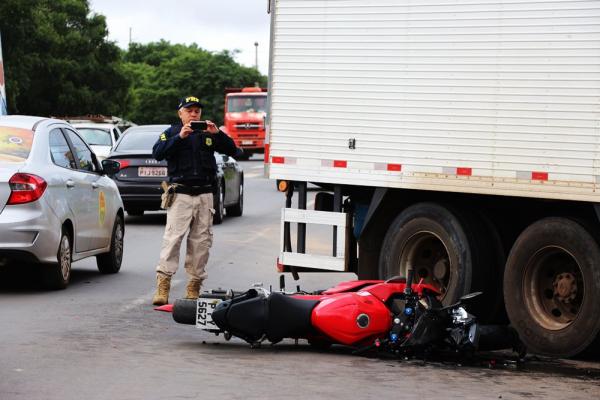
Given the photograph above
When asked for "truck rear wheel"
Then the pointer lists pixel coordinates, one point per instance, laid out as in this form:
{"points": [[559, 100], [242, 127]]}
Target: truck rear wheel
{"points": [[449, 252], [552, 287]]}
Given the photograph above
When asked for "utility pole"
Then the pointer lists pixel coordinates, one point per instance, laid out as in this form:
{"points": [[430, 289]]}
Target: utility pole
{"points": [[256, 55]]}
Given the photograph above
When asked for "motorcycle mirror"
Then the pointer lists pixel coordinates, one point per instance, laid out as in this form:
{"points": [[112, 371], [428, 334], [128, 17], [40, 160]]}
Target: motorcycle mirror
{"points": [[470, 296], [461, 300]]}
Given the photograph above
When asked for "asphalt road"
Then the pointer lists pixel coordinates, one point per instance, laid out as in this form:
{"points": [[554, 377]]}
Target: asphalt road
{"points": [[101, 339]]}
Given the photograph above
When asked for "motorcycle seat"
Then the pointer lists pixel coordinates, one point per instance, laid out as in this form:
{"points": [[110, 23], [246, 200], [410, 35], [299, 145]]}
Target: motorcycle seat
{"points": [[288, 317]]}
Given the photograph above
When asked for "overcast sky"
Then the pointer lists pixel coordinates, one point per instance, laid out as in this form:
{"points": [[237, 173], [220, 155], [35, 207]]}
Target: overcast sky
{"points": [[214, 25]]}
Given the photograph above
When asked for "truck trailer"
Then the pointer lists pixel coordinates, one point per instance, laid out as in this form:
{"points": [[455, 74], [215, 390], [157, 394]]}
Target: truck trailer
{"points": [[456, 138]]}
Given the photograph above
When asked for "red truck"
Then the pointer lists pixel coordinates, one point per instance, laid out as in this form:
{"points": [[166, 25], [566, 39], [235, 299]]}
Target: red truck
{"points": [[244, 116]]}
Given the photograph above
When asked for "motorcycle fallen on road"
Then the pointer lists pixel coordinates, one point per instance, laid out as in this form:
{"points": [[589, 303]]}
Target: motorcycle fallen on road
{"points": [[393, 316]]}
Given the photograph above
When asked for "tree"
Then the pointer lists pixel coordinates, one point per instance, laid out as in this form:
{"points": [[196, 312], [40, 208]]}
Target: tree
{"points": [[58, 60], [162, 73]]}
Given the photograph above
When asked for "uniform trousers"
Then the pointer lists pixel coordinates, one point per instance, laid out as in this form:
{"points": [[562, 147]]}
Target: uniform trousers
{"points": [[192, 215]]}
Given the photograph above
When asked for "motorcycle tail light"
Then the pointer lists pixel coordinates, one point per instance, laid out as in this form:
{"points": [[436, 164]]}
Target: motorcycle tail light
{"points": [[25, 188]]}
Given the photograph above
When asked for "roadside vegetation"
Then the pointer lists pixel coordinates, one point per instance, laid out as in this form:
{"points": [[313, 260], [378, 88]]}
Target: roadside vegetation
{"points": [[58, 61]]}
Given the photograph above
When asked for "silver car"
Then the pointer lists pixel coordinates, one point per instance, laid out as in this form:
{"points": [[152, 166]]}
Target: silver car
{"points": [[56, 203]]}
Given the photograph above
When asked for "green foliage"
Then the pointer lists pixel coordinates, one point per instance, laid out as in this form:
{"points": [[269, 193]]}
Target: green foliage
{"points": [[162, 73], [58, 61]]}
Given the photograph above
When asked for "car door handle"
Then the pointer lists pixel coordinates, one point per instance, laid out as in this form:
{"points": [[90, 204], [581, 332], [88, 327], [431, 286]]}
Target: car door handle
{"points": [[95, 185], [70, 183]]}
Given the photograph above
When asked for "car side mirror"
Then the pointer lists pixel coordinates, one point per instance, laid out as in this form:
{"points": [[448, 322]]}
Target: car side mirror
{"points": [[110, 167]]}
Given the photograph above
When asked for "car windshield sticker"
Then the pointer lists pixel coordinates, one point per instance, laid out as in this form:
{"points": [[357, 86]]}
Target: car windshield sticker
{"points": [[101, 208]]}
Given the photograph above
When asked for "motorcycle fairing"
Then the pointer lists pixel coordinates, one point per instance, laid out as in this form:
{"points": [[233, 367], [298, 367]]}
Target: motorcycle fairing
{"points": [[350, 286], [338, 317]]}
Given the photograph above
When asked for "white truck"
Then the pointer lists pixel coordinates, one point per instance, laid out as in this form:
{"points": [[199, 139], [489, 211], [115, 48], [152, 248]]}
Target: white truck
{"points": [[460, 139]]}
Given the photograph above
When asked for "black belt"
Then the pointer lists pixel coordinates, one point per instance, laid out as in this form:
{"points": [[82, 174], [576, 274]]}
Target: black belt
{"points": [[193, 190]]}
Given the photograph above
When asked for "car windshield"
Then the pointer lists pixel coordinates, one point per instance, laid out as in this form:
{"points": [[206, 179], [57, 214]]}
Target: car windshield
{"points": [[138, 141], [15, 144], [95, 136], [246, 103]]}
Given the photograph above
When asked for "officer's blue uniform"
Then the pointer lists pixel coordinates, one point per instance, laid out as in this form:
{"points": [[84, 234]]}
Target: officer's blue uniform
{"points": [[191, 161]]}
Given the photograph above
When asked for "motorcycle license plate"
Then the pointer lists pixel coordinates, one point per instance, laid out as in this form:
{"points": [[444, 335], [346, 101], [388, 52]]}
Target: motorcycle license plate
{"points": [[204, 310]]}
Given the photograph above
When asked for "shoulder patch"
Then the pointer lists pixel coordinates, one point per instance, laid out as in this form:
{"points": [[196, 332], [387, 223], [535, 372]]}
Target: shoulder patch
{"points": [[163, 136]]}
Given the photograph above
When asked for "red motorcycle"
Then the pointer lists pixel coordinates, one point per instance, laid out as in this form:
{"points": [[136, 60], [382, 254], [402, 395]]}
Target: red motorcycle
{"points": [[394, 315]]}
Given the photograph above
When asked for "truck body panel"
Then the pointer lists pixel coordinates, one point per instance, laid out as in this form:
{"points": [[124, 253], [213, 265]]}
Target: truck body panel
{"points": [[483, 97]]}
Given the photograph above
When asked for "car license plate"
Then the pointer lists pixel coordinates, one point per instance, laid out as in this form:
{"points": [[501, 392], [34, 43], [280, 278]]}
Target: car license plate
{"points": [[152, 171], [204, 310], [246, 141]]}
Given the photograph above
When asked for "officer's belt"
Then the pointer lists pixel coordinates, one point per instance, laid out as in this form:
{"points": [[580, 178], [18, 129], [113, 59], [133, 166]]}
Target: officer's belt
{"points": [[193, 190]]}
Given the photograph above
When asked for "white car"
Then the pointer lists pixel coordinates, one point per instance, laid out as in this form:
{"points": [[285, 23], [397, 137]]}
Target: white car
{"points": [[56, 203], [100, 136]]}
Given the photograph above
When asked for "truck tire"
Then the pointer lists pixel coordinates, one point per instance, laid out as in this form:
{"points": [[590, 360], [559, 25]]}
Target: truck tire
{"points": [[552, 287], [450, 251]]}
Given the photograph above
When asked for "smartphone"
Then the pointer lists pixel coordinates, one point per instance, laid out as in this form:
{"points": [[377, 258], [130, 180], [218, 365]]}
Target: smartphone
{"points": [[199, 125]]}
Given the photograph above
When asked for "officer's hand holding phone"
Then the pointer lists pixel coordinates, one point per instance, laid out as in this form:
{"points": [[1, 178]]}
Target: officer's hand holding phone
{"points": [[211, 127], [199, 126]]}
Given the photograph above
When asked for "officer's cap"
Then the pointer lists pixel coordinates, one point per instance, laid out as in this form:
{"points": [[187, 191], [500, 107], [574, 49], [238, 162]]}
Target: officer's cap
{"points": [[189, 101]]}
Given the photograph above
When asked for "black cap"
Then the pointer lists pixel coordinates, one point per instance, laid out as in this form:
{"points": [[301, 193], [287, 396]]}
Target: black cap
{"points": [[189, 101]]}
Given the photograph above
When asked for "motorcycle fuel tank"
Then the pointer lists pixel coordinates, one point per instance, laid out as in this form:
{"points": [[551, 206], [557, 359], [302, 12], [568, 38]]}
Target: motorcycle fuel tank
{"points": [[351, 318]]}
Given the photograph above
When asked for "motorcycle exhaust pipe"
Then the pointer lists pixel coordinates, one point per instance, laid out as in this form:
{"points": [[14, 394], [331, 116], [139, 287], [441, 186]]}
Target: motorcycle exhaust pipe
{"points": [[184, 311]]}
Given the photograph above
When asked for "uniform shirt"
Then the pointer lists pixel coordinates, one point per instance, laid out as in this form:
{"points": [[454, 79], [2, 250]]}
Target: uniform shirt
{"points": [[191, 161]]}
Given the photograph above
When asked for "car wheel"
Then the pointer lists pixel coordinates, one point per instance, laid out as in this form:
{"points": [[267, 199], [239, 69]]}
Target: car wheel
{"points": [[218, 203], [110, 262], [135, 212], [238, 209], [57, 276]]}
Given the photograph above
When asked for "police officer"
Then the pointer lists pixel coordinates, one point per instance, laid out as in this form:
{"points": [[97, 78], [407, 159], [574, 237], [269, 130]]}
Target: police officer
{"points": [[192, 173]]}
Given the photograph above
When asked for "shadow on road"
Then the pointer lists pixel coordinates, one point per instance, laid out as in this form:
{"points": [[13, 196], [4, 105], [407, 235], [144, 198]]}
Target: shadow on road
{"points": [[155, 218], [481, 363], [26, 279]]}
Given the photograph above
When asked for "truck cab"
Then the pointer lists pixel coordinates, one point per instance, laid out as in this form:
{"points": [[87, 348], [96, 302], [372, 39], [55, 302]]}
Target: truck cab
{"points": [[244, 116]]}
